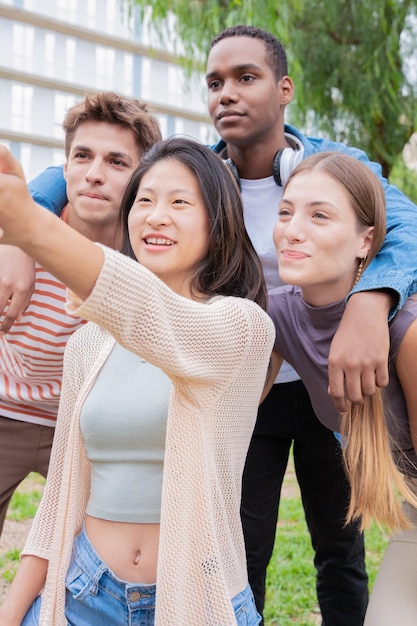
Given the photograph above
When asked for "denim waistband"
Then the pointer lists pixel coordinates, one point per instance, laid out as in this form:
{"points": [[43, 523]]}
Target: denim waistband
{"points": [[135, 595]]}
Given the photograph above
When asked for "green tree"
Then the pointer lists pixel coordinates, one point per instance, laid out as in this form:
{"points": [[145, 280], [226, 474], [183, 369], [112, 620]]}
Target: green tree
{"points": [[351, 60]]}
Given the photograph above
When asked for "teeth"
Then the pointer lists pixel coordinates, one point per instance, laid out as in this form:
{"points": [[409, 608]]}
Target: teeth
{"points": [[159, 241]]}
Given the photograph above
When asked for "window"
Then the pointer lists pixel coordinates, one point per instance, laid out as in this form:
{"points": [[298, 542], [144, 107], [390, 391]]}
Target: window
{"points": [[128, 74], [62, 103], [105, 68], [23, 38], [91, 11], [70, 46], [111, 16], [22, 108], [49, 65], [66, 10]]}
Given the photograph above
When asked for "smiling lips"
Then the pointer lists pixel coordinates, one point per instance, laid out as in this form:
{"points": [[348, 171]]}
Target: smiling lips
{"points": [[293, 255], [158, 241]]}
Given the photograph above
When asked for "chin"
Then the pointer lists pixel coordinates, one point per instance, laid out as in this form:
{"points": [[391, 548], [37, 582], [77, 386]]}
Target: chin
{"points": [[286, 277]]}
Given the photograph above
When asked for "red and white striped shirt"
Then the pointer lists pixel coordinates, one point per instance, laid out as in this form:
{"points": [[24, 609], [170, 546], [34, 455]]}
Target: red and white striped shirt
{"points": [[31, 354]]}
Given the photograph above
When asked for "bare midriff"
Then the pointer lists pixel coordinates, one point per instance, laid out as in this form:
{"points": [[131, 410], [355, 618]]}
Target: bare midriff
{"points": [[130, 550]]}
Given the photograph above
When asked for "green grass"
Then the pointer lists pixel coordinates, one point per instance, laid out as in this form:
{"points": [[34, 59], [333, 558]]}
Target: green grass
{"points": [[24, 505], [291, 596], [8, 565]]}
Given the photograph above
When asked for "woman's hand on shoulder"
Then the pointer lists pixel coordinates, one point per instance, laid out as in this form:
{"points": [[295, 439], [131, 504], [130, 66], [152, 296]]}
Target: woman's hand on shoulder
{"points": [[358, 357]]}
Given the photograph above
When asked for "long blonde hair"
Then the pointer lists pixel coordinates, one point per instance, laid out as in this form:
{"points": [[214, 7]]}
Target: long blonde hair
{"points": [[375, 480], [374, 477]]}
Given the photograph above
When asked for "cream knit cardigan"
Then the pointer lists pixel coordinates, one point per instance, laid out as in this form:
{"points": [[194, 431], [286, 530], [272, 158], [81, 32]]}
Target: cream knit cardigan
{"points": [[216, 355]]}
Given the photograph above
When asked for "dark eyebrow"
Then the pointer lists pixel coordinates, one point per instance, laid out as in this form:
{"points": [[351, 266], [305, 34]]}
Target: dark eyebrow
{"points": [[113, 154], [120, 155], [80, 148], [236, 68]]}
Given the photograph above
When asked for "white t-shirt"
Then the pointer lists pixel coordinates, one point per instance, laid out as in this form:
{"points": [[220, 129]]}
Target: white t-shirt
{"points": [[261, 198]]}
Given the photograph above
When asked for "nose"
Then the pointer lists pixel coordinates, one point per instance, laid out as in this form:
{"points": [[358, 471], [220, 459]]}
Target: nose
{"points": [[158, 216], [228, 93], [294, 229], [95, 173]]}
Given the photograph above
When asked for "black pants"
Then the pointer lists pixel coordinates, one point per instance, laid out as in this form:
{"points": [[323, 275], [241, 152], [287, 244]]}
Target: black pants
{"points": [[285, 417]]}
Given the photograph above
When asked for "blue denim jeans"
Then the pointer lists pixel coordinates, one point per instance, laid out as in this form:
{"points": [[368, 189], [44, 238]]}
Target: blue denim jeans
{"points": [[95, 595]]}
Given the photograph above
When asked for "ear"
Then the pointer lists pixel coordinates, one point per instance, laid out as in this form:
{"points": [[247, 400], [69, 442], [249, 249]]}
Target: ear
{"points": [[367, 239], [65, 169], [286, 87]]}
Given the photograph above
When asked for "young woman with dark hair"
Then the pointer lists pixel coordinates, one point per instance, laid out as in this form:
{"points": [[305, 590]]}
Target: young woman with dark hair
{"points": [[139, 522]]}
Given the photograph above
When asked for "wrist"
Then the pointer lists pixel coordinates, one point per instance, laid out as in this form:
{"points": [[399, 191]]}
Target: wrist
{"points": [[9, 615], [375, 301], [40, 225]]}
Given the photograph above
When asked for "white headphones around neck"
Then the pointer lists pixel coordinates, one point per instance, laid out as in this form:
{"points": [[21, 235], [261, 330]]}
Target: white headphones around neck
{"points": [[285, 161]]}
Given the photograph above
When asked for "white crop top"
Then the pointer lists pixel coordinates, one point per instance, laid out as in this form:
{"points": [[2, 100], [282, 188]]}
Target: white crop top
{"points": [[123, 424]]}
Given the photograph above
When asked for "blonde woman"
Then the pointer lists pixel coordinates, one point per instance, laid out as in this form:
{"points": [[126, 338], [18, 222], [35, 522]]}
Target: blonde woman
{"points": [[331, 223]]}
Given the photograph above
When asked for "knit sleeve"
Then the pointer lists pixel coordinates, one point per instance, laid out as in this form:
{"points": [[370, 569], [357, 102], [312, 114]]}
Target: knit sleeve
{"points": [[67, 456], [202, 342]]}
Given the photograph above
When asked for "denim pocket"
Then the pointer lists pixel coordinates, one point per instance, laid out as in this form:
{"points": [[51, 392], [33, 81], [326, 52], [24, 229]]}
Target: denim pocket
{"points": [[77, 582], [245, 610], [241, 615]]}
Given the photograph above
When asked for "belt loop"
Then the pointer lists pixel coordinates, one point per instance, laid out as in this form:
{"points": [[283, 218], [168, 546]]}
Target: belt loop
{"points": [[93, 587]]}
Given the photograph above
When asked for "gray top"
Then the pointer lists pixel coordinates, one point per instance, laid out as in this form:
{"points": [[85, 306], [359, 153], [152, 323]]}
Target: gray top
{"points": [[303, 337], [123, 424]]}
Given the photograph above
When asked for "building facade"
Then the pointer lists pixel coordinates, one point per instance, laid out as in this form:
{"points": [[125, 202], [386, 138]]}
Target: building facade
{"points": [[54, 52]]}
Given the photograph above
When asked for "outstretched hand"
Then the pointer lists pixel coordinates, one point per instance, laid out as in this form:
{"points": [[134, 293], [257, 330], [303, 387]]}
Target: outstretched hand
{"points": [[15, 199], [17, 273], [358, 358]]}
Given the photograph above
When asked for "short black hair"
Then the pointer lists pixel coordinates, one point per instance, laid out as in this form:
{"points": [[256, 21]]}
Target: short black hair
{"points": [[275, 51]]}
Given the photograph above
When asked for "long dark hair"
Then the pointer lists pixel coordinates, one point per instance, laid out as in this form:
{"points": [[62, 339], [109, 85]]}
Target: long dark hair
{"points": [[231, 266]]}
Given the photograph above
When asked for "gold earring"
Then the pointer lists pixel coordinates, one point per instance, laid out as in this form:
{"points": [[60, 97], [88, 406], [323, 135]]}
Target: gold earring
{"points": [[359, 271]]}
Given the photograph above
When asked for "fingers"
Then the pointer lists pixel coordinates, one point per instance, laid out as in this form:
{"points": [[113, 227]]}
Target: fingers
{"points": [[358, 356], [14, 197], [382, 375], [12, 308], [17, 280], [8, 164], [5, 324], [13, 312], [355, 384], [336, 388]]}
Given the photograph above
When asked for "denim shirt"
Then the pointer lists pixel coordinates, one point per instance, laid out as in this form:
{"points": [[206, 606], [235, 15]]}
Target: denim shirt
{"points": [[392, 268], [49, 189]]}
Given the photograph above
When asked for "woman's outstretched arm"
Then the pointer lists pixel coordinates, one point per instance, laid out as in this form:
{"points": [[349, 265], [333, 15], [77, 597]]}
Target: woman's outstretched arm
{"points": [[69, 256]]}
